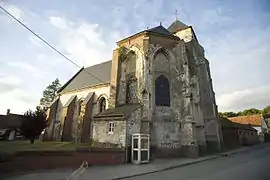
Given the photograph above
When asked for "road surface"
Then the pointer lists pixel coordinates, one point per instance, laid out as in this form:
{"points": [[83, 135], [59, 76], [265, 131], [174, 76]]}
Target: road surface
{"points": [[251, 165]]}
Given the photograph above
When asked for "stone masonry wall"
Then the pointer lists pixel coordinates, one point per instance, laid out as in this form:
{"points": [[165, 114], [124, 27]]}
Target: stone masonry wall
{"points": [[133, 124], [100, 131], [172, 130], [81, 94]]}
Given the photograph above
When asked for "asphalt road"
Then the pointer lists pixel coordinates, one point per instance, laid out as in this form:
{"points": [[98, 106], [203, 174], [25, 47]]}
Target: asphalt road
{"points": [[252, 165]]}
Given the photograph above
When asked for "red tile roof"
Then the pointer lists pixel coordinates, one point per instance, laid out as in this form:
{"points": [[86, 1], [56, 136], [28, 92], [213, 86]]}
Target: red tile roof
{"points": [[254, 120], [227, 124]]}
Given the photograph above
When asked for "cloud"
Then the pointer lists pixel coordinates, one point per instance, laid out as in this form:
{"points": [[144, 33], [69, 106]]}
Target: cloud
{"points": [[26, 67], [15, 11], [8, 83], [242, 99], [37, 42], [58, 22], [214, 16], [84, 42], [18, 100]]}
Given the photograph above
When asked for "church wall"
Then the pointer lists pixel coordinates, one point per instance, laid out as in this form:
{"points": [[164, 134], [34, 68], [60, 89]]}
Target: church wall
{"points": [[166, 135], [103, 90], [207, 100], [101, 134], [127, 71], [135, 41], [166, 42], [186, 34], [133, 125]]}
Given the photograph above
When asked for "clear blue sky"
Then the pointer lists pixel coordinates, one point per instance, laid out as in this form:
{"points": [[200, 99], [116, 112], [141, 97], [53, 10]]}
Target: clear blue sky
{"points": [[235, 35]]}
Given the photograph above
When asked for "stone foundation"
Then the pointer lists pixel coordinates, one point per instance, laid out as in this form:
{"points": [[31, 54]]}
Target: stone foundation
{"points": [[202, 150], [190, 151], [212, 146]]}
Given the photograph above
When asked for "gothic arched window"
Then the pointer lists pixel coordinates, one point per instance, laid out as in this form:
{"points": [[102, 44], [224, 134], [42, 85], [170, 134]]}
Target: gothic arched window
{"points": [[162, 91], [102, 104], [131, 94]]}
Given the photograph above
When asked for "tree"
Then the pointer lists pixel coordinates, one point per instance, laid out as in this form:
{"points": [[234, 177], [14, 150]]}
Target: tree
{"points": [[266, 110], [250, 111], [228, 114], [49, 93], [33, 123]]}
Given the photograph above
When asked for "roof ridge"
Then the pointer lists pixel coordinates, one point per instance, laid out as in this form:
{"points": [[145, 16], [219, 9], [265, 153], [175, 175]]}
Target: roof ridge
{"points": [[99, 64]]}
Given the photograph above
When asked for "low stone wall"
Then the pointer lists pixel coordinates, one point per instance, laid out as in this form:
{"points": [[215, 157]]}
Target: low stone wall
{"points": [[26, 161]]}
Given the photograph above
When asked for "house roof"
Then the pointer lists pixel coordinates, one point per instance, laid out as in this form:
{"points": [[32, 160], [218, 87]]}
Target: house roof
{"points": [[119, 111], [254, 120], [82, 79], [227, 124], [176, 26], [10, 121]]}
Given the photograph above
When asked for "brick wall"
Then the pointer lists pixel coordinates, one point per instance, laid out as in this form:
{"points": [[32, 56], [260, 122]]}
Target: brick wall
{"points": [[26, 161]]}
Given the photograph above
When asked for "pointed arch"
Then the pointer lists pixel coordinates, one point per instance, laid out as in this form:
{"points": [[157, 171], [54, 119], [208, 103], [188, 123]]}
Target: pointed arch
{"points": [[102, 103], [162, 91], [162, 50]]}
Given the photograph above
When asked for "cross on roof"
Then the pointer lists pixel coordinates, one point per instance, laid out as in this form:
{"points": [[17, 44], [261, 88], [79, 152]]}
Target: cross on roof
{"points": [[176, 14]]}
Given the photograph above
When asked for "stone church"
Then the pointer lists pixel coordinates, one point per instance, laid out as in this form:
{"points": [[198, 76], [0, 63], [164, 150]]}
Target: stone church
{"points": [[158, 82]]}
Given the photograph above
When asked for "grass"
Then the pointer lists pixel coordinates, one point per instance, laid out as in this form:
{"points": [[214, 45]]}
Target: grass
{"points": [[11, 147]]}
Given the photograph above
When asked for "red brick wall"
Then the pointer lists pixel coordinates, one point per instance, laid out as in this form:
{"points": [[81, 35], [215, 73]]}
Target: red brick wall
{"points": [[26, 161]]}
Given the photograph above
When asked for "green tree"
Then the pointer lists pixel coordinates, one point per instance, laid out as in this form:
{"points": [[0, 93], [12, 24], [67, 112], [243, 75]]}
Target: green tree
{"points": [[228, 114], [49, 93], [266, 110], [251, 111], [33, 123]]}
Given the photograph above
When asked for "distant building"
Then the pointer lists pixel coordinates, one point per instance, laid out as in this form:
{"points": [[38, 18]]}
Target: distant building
{"points": [[9, 125], [256, 121], [236, 134]]}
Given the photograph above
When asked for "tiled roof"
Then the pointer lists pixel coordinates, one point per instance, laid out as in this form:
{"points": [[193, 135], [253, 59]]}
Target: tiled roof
{"points": [[82, 79], [227, 124], [10, 121], [254, 120]]}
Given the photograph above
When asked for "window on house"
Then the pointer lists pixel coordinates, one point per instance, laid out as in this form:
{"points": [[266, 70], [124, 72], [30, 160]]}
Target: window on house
{"points": [[102, 104], [162, 91], [110, 127]]}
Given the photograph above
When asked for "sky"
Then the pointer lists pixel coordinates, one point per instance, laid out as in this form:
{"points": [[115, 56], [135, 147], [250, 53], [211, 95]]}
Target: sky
{"points": [[234, 34]]}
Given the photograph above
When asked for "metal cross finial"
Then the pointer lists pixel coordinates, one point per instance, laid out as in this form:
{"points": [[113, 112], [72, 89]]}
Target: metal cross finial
{"points": [[176, 14]]}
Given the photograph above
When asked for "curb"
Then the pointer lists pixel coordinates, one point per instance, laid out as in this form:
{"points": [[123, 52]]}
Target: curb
{"points": [[167, 168], [186, 164]]}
